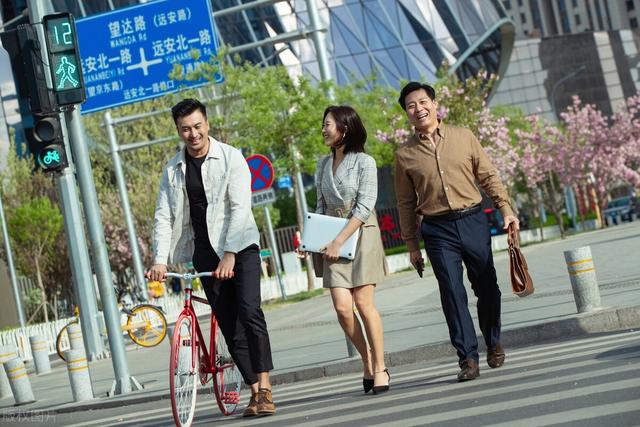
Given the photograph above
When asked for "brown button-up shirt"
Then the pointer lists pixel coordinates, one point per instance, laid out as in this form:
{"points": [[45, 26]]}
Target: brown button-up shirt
{"points": [[434, 178]]}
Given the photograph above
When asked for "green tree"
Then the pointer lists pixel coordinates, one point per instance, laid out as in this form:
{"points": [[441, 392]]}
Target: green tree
{"points": [[34, 228], [21, 184]]}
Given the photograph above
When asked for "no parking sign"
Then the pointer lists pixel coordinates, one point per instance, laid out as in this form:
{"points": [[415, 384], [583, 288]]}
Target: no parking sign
{"points": [[261, 180], [261, 172]]}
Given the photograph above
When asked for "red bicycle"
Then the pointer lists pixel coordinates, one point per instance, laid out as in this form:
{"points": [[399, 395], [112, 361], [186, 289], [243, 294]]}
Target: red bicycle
{"points": [[191, 363]]}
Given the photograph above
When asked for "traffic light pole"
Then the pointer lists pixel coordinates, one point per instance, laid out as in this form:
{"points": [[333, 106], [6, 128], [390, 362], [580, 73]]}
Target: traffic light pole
{"points": [[80, 266], [123, 382], [79, 254]]}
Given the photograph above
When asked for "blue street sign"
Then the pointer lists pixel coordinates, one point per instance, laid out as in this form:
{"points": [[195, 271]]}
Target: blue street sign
{"points": [[127, 54], [284, 182]]}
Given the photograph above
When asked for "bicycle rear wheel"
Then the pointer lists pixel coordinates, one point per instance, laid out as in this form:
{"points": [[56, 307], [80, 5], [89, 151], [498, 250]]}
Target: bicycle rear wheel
{"points": [[183, 370], [146, 325], [227, 380], [62, 340]]}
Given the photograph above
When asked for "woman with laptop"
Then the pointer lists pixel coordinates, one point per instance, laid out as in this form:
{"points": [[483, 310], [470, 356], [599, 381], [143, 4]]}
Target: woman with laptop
{"points": [[347, 186]]}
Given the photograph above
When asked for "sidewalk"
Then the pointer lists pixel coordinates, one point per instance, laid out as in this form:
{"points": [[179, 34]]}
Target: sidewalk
{"points": [[307, 341]]}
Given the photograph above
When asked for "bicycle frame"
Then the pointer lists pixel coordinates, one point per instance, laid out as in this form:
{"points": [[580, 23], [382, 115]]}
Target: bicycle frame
{"points": [[208, 366]]}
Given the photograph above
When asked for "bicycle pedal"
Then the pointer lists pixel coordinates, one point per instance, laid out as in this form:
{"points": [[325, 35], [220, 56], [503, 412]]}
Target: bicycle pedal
{"points": [[231, 397]]}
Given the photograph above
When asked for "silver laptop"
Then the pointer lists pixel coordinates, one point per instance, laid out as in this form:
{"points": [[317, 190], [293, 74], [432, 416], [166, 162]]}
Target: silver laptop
{"points": [[319, 230]]}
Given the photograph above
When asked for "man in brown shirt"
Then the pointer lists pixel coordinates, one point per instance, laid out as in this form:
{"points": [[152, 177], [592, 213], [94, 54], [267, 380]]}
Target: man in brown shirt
{"points": [[436, 175]]}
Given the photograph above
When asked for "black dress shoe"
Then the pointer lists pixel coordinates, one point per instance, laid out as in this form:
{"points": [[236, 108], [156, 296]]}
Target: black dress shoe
{"points": [[367, 384], [495, 357], [382, 388], [469, 370]]}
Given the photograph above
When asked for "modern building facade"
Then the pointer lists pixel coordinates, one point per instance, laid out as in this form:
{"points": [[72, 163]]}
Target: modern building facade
{"points": [[401, 39], [393, 39], [543, 18], [563, 48], [544, 73]]}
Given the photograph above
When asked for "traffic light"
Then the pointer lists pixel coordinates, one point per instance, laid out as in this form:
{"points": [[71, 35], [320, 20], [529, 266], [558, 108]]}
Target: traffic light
{"points": [[25, 54], [49, 149], [64, 58]]}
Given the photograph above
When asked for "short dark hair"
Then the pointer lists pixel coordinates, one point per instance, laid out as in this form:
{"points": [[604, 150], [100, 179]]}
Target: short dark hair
{"points": [[412, 87], [186, 107], [348, 122]]}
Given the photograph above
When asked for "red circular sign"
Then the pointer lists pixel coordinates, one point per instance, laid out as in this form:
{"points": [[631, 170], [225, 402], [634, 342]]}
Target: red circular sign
{"points": [[261, 172]]}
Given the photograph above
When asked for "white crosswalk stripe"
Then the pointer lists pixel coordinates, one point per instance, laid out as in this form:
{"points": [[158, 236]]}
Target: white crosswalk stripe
{"points": [[570, 382]]}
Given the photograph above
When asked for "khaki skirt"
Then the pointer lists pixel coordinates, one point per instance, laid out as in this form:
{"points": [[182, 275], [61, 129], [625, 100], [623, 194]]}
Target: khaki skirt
{"points": [[367, 268]]}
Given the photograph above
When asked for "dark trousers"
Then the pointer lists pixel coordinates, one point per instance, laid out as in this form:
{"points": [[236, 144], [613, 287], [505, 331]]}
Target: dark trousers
{"points": [[449, 243], [236, 304]]}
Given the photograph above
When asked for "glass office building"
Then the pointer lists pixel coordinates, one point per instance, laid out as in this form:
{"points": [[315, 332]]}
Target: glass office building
{"points": [[393, 39]]}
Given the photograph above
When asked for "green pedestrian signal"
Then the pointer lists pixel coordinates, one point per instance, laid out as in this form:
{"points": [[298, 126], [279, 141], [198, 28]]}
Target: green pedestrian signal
{"points": [[64, 58], [66, 73]]}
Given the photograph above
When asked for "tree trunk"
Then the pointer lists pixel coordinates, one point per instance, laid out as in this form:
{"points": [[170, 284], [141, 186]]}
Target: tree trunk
{"points": [[555, 204], [43, 294], [300, 220], [537, 200], [55, 306]]}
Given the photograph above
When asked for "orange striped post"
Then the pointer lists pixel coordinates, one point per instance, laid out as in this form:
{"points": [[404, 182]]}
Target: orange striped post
{"points": [[19, 381], [7, 352], [40, 353], [78, 369], [584, 282]]}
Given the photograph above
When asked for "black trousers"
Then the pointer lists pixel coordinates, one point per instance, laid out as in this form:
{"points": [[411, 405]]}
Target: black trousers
{"points": [[448, 244], [236, 304]]}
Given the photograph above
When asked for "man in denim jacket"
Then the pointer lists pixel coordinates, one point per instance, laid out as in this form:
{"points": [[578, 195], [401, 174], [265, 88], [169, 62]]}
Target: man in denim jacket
{"points": [[203, 214]]}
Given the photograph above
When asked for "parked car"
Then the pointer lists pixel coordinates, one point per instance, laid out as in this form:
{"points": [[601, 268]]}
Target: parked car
{"points": [[623, 207]]}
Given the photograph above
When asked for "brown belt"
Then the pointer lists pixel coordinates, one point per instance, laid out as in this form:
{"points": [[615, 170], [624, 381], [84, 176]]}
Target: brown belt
{"points": [[453, 215]]}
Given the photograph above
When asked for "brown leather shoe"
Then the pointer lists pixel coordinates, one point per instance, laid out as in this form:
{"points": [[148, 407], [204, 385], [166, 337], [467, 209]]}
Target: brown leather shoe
{"points": [[265, 402], [495, 357], [469, 370], [252, 408]]}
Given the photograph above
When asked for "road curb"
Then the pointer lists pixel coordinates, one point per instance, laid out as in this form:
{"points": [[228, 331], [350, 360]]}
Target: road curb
{"points": [[602, 320]]}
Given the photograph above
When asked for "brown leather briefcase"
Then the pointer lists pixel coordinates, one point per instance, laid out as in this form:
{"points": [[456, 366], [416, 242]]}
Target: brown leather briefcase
{"points": [[521, 282]]}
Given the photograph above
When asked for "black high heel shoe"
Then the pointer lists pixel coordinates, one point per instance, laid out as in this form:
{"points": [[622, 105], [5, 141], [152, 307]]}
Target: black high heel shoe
{"points": [[367, 384], [382, 388]]}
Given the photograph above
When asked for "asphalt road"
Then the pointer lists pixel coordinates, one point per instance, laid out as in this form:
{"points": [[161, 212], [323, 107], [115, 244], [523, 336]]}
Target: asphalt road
{"points": [[582, 382]]}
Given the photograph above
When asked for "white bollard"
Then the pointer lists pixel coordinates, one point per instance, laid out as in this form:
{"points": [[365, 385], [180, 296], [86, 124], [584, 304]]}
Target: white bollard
{"points": [[40, 353], [19, 381], [78, 369], [75, 337], [583, 278], [7, 352]]}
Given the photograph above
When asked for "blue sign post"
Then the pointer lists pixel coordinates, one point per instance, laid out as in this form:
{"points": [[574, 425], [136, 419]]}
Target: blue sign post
{"points": [[127, 54]]}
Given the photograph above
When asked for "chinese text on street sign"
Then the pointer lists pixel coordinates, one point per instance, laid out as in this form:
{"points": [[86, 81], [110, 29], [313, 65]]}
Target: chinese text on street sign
{"points": [[127, 54], [263, 197]]}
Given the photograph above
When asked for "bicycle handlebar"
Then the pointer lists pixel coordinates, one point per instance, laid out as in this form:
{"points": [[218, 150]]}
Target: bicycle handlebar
{"points": [[189, 276]]}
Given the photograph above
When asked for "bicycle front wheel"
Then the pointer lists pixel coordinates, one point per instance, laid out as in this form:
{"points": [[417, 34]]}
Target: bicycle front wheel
{"points": [[62, 340], [183, 370], [226, 378], [146, 325]]}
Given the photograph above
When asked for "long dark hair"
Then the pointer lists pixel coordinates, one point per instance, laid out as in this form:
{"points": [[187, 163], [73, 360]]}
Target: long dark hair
{"points": [[348, 122]]}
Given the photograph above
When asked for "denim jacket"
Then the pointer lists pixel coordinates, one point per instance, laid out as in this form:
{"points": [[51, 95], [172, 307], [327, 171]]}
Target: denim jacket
{"points": [[230, 223]]}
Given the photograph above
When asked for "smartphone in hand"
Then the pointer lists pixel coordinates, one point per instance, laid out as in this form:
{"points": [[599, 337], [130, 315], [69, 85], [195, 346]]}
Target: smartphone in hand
{"points": [[420, 267]]}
